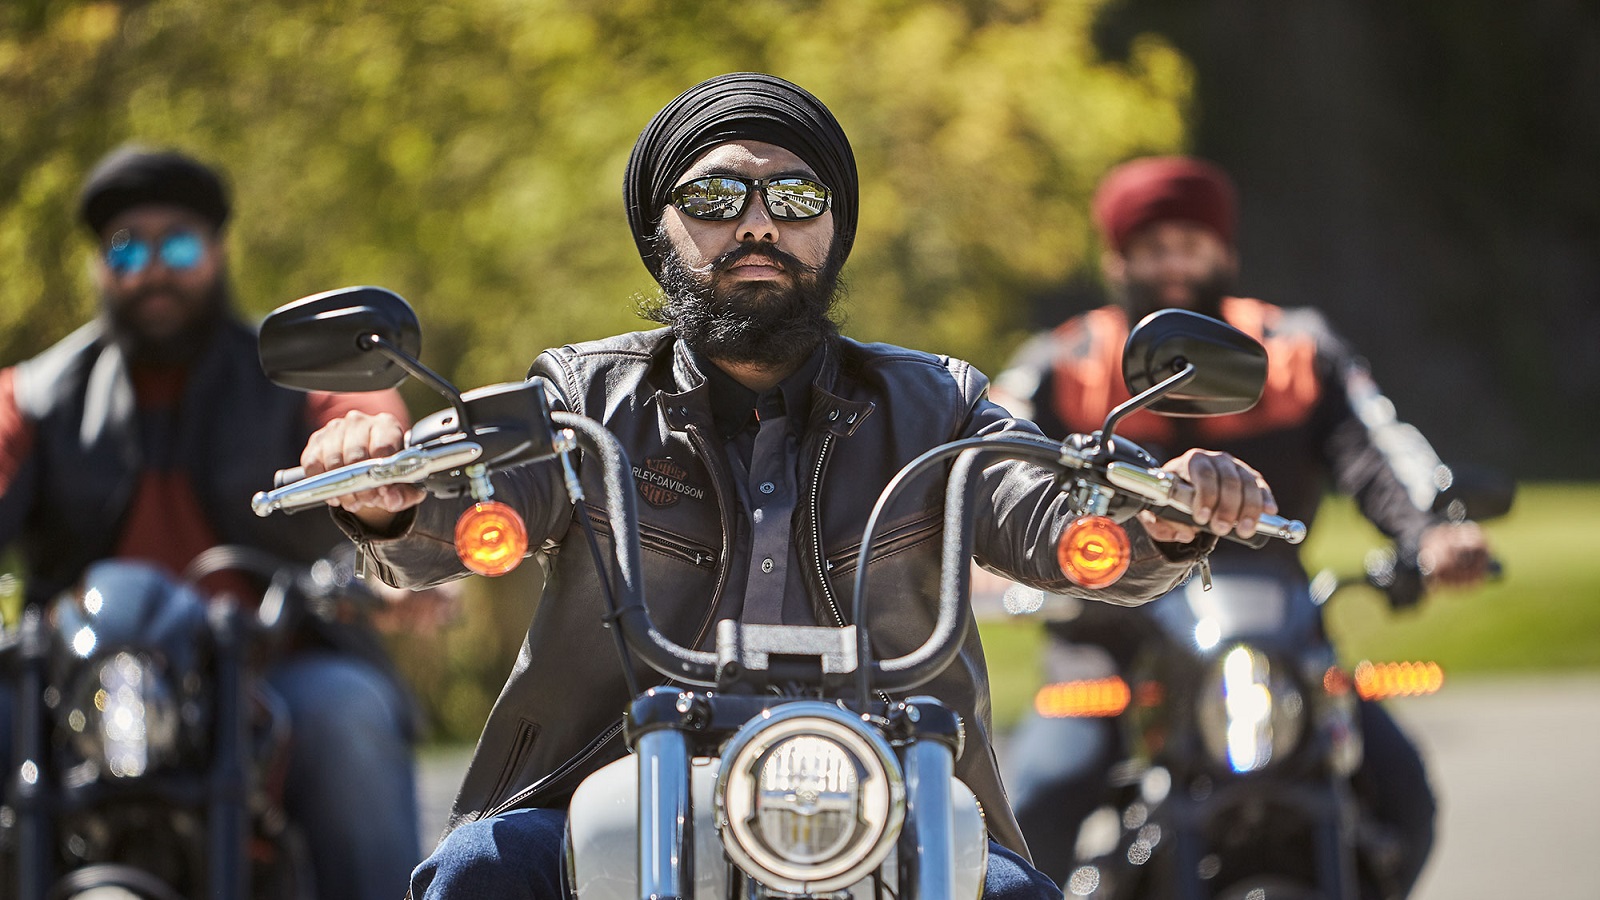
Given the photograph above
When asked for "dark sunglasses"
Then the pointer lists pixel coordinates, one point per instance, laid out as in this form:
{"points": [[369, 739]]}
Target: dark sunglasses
{"points": [[180, 251], [717, 197]]}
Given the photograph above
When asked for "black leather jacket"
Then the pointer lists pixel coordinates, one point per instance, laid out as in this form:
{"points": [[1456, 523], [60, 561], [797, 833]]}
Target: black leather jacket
{"points": [[874, 408]]}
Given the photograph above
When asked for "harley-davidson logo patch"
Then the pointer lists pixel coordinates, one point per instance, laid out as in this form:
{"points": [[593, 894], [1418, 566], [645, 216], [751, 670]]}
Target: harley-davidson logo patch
{"points": [[661, 482]]}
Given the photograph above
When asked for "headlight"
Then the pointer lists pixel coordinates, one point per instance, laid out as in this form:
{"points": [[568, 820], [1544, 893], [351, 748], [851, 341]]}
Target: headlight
{"points": [[809, 799], [125, 717], [1248, 712]]}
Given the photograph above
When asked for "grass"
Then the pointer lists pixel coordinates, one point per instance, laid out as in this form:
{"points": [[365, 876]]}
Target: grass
{"points": [[1542, 616]]}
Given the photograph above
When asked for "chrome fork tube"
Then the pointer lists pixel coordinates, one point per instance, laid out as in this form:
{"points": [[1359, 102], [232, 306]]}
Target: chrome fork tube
{"points": [[929, 767], [666, 857]]}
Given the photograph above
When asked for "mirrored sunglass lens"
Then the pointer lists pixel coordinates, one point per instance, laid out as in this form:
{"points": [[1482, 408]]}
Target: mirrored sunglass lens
{"points": [[796, 198], [712, 198], [124, 256], [182, 250]]}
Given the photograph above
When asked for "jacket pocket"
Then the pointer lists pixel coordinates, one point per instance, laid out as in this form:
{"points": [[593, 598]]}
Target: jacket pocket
{"points": [[556, 787], [521, 746], [895, 540], [663, 542]]}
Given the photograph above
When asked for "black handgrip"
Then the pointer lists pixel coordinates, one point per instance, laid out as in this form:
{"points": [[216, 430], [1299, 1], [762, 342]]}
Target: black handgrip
{"points": [[288, 476]]}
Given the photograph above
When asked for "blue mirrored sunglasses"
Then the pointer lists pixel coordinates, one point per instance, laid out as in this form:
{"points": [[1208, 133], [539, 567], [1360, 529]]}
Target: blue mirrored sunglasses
{"points": [[180, 251]]}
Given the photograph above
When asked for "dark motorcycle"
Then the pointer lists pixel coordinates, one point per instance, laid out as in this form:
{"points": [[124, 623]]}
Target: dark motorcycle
{"points": [[150, 758], [776, 765], [1242, 734]]}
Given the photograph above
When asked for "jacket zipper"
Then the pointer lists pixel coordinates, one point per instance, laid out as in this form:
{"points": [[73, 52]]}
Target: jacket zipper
{"points": [[558, 772], [914, 532], [816, 546], [816, 531], [717, 487], [665, 543]]}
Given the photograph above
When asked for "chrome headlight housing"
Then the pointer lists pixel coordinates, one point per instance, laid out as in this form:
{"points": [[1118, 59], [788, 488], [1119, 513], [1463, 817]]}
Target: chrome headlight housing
{"points": [[809, 799], [1249, 712], [124, 716]]}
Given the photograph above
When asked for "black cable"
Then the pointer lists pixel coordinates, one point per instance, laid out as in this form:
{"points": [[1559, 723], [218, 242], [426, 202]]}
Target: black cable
{"points": [[601, 564]]}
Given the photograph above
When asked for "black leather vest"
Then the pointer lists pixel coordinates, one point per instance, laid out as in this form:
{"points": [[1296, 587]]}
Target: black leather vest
{"points": [[234, 429]]}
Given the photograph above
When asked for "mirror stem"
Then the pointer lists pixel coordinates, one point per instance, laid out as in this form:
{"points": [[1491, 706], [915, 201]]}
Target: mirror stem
{"points": [[420, 372], [1148, 396]]}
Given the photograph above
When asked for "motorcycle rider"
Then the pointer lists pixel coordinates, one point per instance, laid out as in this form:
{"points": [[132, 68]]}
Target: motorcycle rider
{"points": [[143, 434], [1168, 227], [760, 438]]}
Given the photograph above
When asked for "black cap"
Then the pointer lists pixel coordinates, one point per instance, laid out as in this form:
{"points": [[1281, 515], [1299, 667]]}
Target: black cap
{"points": [[133, 176]]}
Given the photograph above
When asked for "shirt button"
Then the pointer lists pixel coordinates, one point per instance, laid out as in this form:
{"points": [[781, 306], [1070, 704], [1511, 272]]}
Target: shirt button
{"points": [[766, 564], [768, 487], [758, 515]]}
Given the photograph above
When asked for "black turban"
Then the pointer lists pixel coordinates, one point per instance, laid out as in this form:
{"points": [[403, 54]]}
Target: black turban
{"points": [[132, 177], [742, 106]]}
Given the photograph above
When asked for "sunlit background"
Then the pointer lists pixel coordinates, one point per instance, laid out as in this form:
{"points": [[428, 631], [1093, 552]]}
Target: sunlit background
{"points": [[1426, 173]]}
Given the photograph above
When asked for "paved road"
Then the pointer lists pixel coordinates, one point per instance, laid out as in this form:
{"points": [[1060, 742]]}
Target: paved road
{"points": [[1516, 764]]}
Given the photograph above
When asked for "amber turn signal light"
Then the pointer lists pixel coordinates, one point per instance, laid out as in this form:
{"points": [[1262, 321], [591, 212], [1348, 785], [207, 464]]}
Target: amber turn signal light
{"points": [[1092, 698], [1383, 680], [1094, 551], [491, 538]]}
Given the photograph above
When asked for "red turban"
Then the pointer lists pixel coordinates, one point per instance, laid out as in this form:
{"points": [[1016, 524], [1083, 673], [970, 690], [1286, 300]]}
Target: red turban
{"points": [[1157, 188]]}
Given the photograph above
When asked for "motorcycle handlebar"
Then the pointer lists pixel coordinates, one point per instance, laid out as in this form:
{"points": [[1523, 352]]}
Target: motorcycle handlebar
{"points": [[1157, 489], [409, 466], [1162, 490]]}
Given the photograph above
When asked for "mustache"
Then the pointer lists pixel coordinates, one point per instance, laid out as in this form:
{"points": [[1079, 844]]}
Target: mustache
{"points": [[784, 261]]}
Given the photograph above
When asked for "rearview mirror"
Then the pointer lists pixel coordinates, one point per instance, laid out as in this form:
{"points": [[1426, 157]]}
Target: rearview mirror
{"points": [[1230, 366], [325, 342]]}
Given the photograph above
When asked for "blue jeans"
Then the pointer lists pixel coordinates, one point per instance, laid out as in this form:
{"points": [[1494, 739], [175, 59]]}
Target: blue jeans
{"points": [[517, 856], [351, 786]]}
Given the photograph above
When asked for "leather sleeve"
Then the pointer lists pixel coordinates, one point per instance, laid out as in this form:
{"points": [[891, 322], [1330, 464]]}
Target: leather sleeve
{"points": [[421, 550], [1017, 530], [1386, 465]]}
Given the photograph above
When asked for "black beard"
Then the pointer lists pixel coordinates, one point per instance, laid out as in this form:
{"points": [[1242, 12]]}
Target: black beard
{"points": [[764, 324], [177, 349], [1141, 299]]}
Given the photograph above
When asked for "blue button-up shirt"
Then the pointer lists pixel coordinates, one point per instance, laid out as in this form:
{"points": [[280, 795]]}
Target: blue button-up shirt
{"points": [[761, 435]]}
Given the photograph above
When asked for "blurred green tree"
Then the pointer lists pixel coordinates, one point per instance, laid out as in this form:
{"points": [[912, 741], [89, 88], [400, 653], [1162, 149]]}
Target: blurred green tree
{"points": [[469, 155]]}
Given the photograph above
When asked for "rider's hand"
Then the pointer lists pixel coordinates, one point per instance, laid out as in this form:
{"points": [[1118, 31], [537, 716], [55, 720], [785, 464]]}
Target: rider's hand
{"points": [[352, 438], [1454, 556], [1226, 495]]}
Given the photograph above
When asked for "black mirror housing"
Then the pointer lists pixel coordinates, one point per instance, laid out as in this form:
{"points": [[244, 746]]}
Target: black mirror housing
{"points": [[323, 342], [1230, 366]]}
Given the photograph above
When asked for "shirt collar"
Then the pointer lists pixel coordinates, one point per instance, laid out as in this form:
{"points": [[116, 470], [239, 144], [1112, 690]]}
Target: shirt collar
{"points": [[735, 407]]}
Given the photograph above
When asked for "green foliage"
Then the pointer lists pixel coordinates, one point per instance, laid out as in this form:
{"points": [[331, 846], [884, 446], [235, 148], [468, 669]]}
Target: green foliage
{"points": [[469, 155]]}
